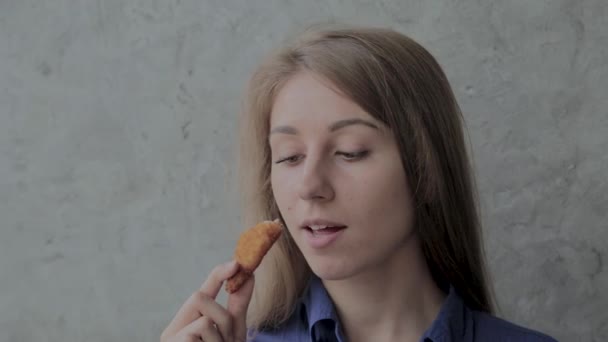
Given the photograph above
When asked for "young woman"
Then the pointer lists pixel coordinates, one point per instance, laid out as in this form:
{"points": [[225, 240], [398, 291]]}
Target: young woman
{"points": [[353, 138]]}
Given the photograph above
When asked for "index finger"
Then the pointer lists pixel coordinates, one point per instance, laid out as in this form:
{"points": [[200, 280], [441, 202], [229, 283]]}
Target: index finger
{"points": [[212, 285], [190, 311]]}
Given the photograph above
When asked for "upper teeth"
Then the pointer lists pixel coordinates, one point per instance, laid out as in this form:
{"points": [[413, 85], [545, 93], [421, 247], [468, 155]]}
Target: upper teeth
{"points": [[317, 227]]}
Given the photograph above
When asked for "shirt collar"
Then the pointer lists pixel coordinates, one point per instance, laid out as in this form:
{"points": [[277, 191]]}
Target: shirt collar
{"points": [[449, 325], [318, 305]]}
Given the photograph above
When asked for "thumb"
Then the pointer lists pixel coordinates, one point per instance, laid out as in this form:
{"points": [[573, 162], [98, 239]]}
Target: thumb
{"points": [[238, 303]]}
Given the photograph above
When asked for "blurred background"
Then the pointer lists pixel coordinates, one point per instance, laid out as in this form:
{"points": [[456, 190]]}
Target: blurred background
{"points": [[117, 136]]}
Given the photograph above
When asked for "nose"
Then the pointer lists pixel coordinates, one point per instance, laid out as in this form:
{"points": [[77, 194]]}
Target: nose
{"points": [[315, 182]]}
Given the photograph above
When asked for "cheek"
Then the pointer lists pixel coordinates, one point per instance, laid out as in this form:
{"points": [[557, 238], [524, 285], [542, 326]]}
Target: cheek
{"points": [[281, 191], [383, 195], [400, 203]]}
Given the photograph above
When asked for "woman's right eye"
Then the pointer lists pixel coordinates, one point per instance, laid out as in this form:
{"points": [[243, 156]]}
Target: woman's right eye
{"points": [[289, 160]]}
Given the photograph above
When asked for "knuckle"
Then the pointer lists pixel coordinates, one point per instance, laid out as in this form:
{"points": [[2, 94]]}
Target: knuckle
{"points": [[199, 297], [198, 300], [206, 323]]}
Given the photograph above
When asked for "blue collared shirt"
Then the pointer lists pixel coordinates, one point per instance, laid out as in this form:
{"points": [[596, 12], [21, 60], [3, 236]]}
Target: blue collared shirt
{"points": [[315, 320]]}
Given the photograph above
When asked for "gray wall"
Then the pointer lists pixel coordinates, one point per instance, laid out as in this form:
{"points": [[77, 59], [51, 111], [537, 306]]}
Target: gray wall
{"points": [[117, 127]]}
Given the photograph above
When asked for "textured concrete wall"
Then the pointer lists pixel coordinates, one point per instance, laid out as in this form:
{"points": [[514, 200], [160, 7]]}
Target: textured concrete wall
{"points": [[117, 125]]}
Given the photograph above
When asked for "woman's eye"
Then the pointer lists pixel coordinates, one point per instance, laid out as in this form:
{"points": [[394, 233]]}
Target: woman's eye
{"points": [[352, 156], [288, 160]]}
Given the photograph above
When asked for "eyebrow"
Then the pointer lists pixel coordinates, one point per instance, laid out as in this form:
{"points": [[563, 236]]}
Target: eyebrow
{"points": [[332, 128]]}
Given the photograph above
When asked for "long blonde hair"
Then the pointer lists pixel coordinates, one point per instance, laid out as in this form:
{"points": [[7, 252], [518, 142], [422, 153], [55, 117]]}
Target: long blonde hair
{"points": [[398, 82]]}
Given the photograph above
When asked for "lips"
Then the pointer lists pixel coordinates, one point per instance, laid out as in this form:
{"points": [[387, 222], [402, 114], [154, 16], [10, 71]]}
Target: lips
{"points": [[319, 226], [321, 234]]}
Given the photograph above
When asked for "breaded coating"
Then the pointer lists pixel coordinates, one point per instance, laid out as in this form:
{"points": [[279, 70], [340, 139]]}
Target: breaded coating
{"points": [[236, 281], [252, 246]]}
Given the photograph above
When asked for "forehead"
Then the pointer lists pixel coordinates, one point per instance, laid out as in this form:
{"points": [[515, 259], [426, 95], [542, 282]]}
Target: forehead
{"points": [[308, 98]]}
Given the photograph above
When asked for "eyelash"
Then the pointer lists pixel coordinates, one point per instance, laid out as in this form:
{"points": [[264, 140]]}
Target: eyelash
{"points": [[353, 156], [348, 156], [289, 160]]}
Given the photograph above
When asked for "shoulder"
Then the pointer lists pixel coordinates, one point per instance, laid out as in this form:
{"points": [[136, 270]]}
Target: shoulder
{"points": [[491, 328]]}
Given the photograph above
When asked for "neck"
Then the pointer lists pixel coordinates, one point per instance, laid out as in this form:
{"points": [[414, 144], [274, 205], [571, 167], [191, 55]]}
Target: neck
{"points": [[397, 300]]}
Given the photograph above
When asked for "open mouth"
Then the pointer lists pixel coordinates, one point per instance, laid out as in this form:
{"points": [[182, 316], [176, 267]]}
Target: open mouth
{"points": [[323, 230], [320, 237]]}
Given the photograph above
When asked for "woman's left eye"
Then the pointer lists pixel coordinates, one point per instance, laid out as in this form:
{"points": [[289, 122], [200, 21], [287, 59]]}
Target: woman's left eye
{"points": [[351, 156]]}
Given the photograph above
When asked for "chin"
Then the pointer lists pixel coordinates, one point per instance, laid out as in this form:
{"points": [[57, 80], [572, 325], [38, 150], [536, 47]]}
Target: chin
{"points": [[332, 270]]}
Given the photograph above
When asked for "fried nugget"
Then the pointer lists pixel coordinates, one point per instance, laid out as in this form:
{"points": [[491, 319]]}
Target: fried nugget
{"points": [[236, 281], [252, 246]]}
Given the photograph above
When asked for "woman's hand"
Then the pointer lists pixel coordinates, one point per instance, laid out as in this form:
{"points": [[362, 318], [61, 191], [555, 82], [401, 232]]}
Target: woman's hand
{"points": [[201, 318]]}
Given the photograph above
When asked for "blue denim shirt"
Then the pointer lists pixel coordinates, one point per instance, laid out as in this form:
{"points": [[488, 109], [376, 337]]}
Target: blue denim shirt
{"points": [[315, 320]]}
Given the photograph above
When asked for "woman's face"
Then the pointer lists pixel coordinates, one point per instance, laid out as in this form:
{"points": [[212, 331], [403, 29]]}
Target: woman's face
{"points": [[334, 165]]}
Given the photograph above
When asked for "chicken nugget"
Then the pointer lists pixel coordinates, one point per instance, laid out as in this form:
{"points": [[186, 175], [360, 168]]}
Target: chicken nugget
{"points": [[236, 281], [252, 246]]}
